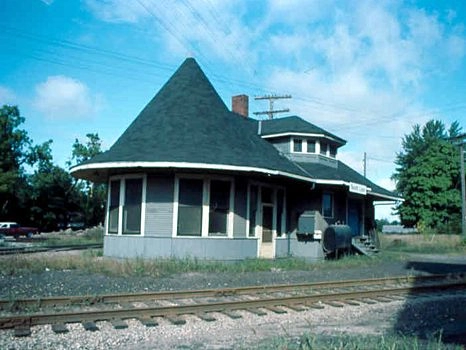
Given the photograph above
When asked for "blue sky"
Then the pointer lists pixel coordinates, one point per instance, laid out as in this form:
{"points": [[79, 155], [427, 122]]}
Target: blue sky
{"points": [[364, 70]]}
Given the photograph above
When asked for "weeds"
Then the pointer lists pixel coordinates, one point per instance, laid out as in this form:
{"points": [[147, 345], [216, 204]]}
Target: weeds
{"points": [[432, 244], [352, 342]]}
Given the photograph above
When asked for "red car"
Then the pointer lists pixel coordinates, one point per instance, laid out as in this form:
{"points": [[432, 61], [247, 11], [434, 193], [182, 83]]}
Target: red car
{"points": [[15, 230]]}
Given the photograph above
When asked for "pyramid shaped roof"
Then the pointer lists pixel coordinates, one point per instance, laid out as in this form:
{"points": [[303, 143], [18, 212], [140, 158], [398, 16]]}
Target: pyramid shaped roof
{"points": [[295, 125], [187, 125]]}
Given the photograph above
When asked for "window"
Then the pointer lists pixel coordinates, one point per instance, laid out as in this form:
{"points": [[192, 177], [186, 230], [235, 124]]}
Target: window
{"points": [[219, 207], [327, 205], [297, 145], [333, 151], [311, 146], [323, 148], [132, 206], [253, 198], [190, 207], [114, 206]]}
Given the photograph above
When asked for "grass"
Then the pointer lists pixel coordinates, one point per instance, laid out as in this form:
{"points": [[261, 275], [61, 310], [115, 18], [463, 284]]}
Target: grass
{"points": [[353, 342], [93, 235], [394, 247], [418, 243]]}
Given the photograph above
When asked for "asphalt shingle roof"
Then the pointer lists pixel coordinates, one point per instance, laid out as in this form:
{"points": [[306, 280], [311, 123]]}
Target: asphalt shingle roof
{"points": [[343, 173], [187, 121], [294, 124]]}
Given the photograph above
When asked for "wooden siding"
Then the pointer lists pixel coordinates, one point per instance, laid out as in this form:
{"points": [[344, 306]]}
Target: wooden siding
{"points": [[159, 206], [281, 143], [240, 215]]}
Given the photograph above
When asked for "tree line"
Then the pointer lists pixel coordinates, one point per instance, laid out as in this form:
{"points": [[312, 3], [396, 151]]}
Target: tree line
{"points": [[36, 191]]}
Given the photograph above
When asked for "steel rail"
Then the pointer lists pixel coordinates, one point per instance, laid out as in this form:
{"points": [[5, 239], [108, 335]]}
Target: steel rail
{"points": [[224, 306], [31, 250], [222, 292]]}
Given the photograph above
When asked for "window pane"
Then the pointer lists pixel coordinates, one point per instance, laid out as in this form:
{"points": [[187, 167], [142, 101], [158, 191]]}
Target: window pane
{"points": [[219, 207], [333, 151], [297, 145], [114, 206], [327, 205], [190, 207], [311, 146], [132, 207], [252, 210], [323, 148]]}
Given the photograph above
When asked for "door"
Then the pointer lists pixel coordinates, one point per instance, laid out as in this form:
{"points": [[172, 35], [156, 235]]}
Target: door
{"points": [[354, 216], [266, 248]]}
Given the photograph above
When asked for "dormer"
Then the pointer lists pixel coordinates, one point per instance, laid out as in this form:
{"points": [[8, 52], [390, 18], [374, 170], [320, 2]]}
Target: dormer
{"points": [[300, 140]]}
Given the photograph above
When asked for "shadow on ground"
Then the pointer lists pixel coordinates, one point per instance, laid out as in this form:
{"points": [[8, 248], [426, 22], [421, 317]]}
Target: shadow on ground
{"points": [[430, 318]]}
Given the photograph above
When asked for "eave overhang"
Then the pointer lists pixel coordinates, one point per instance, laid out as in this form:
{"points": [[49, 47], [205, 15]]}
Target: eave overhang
{"points": [[98, 171]]}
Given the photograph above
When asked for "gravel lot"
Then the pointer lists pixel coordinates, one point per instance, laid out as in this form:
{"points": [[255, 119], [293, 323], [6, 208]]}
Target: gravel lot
{"points": [[418, 316]]}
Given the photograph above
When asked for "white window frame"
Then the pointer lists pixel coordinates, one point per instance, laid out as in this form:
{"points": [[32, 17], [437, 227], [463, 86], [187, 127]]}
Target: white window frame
{"points": [[122, 179], [303, 144], [315, 146], [205, 205]]}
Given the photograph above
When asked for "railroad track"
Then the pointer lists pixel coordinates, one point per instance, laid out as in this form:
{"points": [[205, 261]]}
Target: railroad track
{"points": [[148, 307], [31, 250]]}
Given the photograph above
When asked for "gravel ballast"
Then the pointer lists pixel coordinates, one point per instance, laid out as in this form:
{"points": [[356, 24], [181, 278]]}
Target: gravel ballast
{"points": [[417, 316]]}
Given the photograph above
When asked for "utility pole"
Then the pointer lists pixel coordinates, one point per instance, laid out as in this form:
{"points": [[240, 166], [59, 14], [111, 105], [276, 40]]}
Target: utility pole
{"points": [[463, 190], [461, 141], [365, 163], [272, 99]]}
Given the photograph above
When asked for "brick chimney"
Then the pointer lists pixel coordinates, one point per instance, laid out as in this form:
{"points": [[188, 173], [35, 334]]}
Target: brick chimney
{"points": [[240, 105]]}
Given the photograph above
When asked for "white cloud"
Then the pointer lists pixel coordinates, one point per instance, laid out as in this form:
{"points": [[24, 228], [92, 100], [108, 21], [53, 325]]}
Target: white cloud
{"points": [[357, 69], [7, 96], [119, 11], [61, 97]]}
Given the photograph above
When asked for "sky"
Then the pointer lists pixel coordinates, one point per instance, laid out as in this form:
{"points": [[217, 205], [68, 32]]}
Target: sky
{"points": [[367, 71]]}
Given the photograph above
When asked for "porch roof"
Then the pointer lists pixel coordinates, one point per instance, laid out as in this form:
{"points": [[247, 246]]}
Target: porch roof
{"points": [[344, 175]]}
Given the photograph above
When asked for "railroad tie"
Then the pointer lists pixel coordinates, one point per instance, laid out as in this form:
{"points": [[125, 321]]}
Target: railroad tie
{"points": [[317, 305], [206, 317], [276, 309], [297, 307], [90, 326], [148, 321], [333, 303], [59, 328], [257, 311], [351, 302], [367, 301], [176, 320], [119, 324], [22, 331], [232, 314], [383, 299]]}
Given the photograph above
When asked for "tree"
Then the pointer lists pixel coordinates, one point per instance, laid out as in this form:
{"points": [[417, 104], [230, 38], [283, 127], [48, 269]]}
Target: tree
{"points": [[94, 195], [427, 176], [14, 143], [53, 194]]}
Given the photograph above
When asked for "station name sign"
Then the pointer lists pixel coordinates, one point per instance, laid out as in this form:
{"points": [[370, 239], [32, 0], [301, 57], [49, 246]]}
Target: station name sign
{"points": [[357, 188]]}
